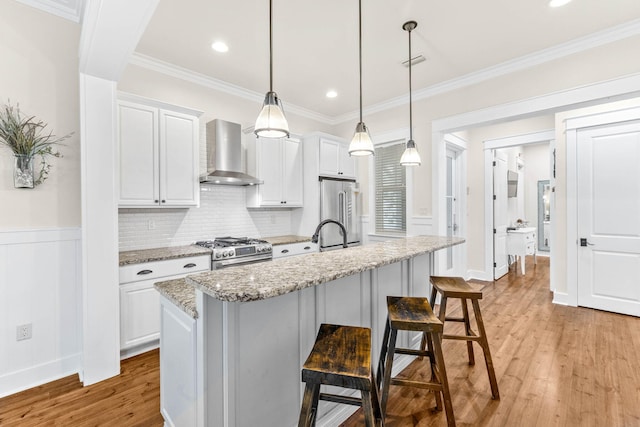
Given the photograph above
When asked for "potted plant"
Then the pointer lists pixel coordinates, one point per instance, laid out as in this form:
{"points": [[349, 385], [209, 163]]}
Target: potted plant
{"points": [[27, 138]]}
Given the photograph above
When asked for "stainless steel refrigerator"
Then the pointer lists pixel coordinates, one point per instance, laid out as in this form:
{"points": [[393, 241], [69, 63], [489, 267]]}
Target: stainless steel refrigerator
{"points": [[338, 202]]}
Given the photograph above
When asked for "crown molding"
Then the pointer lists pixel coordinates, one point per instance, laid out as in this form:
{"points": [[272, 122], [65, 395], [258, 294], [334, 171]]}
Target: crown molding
{"points": [[70, 9], [581, 44], [182, 73]]}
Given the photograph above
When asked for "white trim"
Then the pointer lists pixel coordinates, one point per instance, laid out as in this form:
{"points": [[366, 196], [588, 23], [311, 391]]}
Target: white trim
{"points": [[590, 41], [561, 298], [597, 119], [130, 97], [172, 70], [592, 94], [479, 275], [41, 374], [571, 218], [458, 145], [58, 8], [10, 237], [517, 140], [607, 91]]}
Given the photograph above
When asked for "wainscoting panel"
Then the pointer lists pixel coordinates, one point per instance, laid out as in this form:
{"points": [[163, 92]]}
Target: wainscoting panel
{"points": [[39, 286]]}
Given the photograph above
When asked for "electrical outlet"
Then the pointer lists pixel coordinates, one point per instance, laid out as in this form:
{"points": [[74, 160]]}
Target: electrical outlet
{"points": [[23, 332], [273, 219], [151, 224]]}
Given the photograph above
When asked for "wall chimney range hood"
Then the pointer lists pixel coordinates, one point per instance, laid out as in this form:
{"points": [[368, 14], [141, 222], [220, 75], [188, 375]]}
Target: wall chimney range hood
{"points": [[224, 155]]}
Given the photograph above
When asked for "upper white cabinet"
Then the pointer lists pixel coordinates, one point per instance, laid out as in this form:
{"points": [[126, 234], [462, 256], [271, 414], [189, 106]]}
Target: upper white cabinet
{"points": [[335, 159], [158, 148], [278, 162]]}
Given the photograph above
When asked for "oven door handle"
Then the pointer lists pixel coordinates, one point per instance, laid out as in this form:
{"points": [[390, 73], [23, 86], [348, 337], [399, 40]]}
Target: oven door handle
{"points": [[229, 263]]}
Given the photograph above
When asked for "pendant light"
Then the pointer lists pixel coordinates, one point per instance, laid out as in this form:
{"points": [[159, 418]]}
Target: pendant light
{"points": [[410, 157], [361, 144], [271, 122]]}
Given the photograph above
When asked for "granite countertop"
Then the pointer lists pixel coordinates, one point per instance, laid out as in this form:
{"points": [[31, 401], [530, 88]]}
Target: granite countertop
{"points": [[269, 279], [161, 254], [286, 240], [180, 293]]}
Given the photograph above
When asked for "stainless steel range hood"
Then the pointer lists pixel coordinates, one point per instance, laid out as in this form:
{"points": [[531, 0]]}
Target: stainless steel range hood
{"points": [[224, 155]]}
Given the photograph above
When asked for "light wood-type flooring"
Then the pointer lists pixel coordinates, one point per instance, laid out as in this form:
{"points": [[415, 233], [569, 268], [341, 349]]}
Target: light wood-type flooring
{"points": [[556, 366]]}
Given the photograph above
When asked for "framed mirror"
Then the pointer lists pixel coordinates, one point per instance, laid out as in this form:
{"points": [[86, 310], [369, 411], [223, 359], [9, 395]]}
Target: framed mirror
{"points": [[544, 214]]}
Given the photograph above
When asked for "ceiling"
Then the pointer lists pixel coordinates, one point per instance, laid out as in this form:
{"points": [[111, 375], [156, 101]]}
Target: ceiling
{"points": [[316, 42]]}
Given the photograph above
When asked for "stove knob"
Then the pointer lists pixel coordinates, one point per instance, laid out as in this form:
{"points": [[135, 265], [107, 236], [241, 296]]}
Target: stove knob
{"points": [[225, 254], [260, 249], [218, 254], [268, 249]]}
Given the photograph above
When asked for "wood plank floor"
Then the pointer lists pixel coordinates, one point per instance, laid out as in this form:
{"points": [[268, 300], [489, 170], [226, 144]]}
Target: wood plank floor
{"points": [[556, 366]]}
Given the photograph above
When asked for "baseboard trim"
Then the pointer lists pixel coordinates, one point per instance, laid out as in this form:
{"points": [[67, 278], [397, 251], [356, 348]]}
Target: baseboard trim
{"points": [[479, 275], [34, 376], [561, 298]]}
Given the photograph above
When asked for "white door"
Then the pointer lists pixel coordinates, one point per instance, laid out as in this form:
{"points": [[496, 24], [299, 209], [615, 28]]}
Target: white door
{"points": [[500, 208], [292, 172], [608, 199], [453, 214]]}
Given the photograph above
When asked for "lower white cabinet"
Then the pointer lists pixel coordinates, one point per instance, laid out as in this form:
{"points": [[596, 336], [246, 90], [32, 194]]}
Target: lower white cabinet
{"points": [[178, 366], [281, 251], [522, 242], [139, 300]]}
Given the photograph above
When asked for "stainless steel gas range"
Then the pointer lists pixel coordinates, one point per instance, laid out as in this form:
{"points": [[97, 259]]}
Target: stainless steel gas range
{"points": [[229, 251]]}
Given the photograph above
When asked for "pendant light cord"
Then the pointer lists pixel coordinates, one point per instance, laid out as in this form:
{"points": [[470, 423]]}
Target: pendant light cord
{"points": [[360, 51], [410, 103], [270, 47]]}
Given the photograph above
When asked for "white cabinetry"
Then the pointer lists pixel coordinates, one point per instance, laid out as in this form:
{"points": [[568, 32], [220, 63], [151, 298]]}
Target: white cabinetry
{"points": [[278, 162], [139, 300], [335, 159], [522, 242], [178, 366], [158, 151], [281, 251]]}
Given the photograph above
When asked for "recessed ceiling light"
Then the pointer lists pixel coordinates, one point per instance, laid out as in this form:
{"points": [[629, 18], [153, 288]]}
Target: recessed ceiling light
{"points": [[332, 94], [558, 3], [219, 46]]}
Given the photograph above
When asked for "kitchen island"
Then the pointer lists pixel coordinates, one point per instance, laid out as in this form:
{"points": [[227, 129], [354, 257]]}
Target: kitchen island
{"points": [[235, 359]]}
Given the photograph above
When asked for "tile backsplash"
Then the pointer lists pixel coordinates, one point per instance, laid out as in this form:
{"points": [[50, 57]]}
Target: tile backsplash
{"points": [[222, 212]]}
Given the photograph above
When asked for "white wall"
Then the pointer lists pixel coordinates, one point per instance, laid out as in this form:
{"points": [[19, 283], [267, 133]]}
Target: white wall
{"points": [[536, 168], [39, 285], [40, 72], [39, 234]]}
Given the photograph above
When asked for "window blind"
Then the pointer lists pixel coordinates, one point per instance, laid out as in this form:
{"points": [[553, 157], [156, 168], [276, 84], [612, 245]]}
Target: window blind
{"points": [[390, 184]]}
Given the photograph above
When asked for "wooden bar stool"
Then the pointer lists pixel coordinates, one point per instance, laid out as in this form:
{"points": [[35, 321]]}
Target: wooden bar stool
{"points": [[414, 314], [341, 356], [457, 287]]}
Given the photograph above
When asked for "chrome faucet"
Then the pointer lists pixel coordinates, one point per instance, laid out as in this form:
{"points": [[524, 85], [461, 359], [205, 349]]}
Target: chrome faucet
{"points": [[314, 238]]}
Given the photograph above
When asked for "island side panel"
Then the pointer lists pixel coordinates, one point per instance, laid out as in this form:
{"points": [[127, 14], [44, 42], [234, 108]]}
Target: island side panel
{"points": [[258, 373]]}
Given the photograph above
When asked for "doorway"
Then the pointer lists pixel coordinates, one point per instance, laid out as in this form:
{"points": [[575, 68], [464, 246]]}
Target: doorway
{"points": [[456, 203]]}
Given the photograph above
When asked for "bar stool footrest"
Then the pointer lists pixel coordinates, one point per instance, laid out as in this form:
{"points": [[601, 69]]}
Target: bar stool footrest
{"points": [[416, 384], [461, 337], [336, 398], [413, 352]]}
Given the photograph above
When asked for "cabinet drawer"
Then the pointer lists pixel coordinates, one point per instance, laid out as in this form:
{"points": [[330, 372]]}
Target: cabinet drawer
{"points": [[281, 251], [158, 269], [531, 248]]}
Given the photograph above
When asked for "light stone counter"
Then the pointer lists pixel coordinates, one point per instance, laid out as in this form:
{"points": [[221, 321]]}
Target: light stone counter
{"points": [[161, 254], [286, 240], [181, 294], [281, 276], [257, 323]]}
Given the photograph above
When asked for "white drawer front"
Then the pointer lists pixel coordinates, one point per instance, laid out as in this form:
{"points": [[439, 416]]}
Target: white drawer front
{"points": [[158, 269], [281, 251]]}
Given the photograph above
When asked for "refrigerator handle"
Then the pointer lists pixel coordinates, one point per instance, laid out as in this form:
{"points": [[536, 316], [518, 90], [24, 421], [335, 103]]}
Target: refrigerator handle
{"points": [[340, 207], [345, 214]]}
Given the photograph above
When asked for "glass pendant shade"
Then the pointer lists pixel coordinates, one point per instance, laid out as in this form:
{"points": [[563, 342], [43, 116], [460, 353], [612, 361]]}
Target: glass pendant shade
{"points": [[361, 144], [410, 157], [271, 122]]}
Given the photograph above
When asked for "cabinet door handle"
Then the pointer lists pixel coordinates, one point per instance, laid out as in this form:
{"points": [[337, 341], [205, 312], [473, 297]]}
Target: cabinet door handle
{"points": [[156, 201], [164, 201], [284, 251], [143, 272], [190, 265], [306, 248]]}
